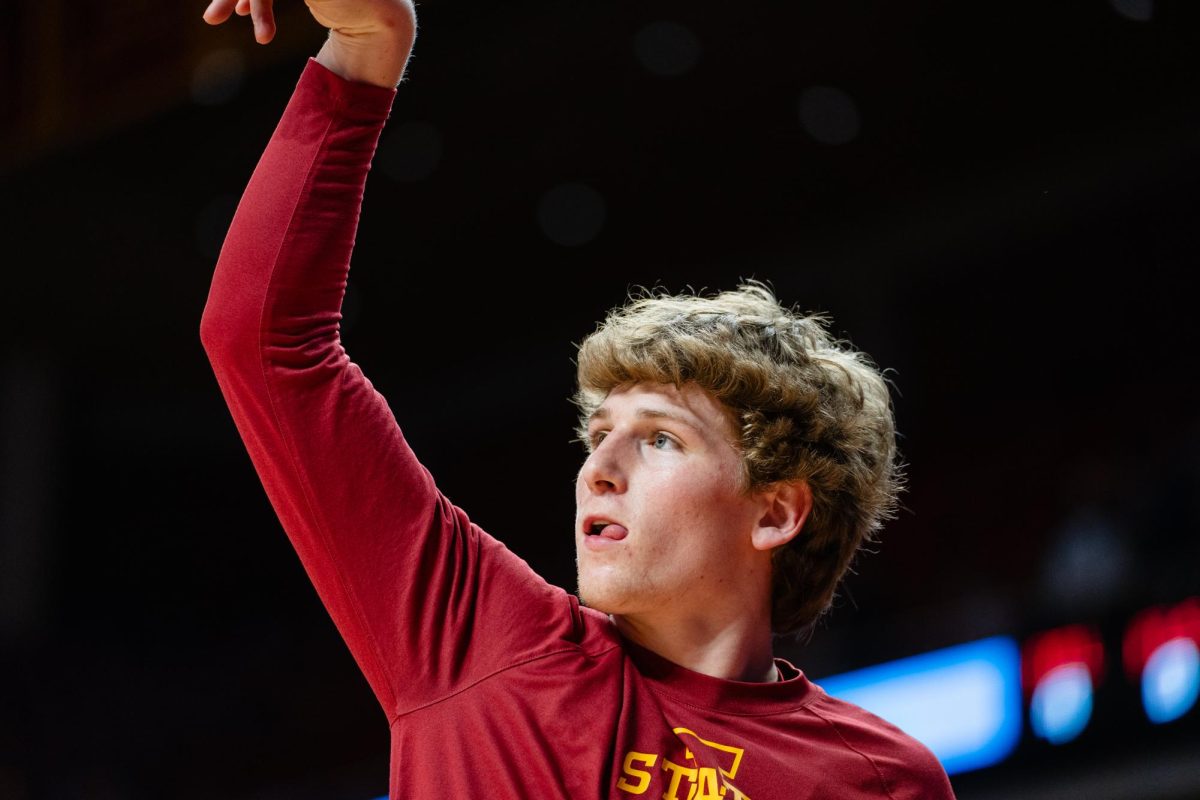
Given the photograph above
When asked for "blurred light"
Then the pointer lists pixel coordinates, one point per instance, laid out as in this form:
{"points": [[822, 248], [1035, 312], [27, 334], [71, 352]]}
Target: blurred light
{"points": [[666, 48], [218, 76], [1171, 680], [410, 152], [1070, 644], [1160, 653], [1059, 670], [1156, 625], [1136, 10], [829, 115], [1062, 703], [962, 702], [1086, 564], [571, 214]]}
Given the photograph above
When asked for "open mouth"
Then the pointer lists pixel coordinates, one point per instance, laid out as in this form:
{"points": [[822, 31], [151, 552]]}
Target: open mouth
{"points": [[606, 529]]}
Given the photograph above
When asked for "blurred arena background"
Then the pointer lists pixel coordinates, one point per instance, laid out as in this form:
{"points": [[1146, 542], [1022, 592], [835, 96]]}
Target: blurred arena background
{"points": [[995, 200]]}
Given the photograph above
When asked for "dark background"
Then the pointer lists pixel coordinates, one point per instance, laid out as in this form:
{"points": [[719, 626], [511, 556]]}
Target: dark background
{"points": [[996, 201]]}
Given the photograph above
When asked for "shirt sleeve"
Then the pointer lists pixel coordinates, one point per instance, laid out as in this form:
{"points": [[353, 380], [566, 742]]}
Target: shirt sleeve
{"points": [[426, 601]]}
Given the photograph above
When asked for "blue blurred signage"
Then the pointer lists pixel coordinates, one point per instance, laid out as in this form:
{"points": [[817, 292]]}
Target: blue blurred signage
{"points": [[962, 702]]}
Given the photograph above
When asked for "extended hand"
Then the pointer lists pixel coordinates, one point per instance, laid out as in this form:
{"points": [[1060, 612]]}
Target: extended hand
{"points": [[348, 17]]}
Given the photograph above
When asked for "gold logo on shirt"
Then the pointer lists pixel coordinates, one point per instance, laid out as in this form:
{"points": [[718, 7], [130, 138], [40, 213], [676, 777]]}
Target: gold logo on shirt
{"points": [[682, 782]]}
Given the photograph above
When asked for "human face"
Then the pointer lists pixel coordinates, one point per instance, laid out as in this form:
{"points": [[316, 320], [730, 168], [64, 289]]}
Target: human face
{"points": [[664, 466]]}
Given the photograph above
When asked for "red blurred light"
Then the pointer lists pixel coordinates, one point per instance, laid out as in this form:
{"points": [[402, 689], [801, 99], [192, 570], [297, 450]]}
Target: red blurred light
{"points": [[1070, 644], [1154, 626]]}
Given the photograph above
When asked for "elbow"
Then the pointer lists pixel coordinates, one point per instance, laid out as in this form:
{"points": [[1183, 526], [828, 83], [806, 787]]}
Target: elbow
{"points": [[213, 333], [226, 330], [211, 338], [209, 331]]}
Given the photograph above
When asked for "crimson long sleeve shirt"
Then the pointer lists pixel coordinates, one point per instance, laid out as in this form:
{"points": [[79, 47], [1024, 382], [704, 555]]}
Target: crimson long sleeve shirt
{"points": [[495, 683]]}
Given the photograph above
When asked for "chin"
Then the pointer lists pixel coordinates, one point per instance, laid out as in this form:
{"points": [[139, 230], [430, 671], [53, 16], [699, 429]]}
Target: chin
{"points": [[601, 595]]}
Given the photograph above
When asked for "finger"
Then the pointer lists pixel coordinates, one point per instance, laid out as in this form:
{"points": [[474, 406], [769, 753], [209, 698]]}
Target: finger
{"points": [[264, 20], [218, 11], [243, 7]]}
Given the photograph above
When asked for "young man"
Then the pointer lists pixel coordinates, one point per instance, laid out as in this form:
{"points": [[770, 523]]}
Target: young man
{"points": [[737, 458]]}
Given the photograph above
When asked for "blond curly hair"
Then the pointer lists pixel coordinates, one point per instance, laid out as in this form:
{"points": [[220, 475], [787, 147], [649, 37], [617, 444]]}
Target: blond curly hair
{"points": [[808, 407]]}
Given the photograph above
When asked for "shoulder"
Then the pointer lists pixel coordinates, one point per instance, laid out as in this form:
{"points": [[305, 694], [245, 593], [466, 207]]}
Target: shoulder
{"points": [[905, 766]]}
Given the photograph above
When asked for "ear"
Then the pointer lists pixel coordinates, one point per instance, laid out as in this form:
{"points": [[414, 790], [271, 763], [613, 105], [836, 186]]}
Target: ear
{"points": [[788, 504]]}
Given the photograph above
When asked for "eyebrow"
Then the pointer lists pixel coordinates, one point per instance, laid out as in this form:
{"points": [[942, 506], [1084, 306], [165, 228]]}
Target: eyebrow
{"points": [[648, 413]]}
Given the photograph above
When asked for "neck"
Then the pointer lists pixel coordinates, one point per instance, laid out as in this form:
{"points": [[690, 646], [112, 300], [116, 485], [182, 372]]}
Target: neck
{"points": [[737, 649]]}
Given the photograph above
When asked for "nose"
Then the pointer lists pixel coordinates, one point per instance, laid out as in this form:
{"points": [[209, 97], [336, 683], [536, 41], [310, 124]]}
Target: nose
{"points": [[601, 472]]}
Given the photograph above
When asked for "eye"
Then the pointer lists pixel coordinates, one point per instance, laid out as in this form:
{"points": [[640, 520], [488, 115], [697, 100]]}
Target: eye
{"points": [[595, 439], [662, 441]]}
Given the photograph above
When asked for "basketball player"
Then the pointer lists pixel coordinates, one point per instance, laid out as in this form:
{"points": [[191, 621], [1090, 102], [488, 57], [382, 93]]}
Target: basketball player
{"points": [[736, 459]]}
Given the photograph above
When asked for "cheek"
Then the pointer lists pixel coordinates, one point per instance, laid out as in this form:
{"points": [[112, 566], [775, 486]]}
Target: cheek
{"points": [[716, 512], [693, 512], [698, 495]]}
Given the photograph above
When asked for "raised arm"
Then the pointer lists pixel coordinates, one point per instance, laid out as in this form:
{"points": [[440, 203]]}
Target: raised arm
{"points": [[418, 592], [369, 40]]}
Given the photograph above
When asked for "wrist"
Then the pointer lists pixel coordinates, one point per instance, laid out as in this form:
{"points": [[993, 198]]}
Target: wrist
{"points": [[376, 55]]}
